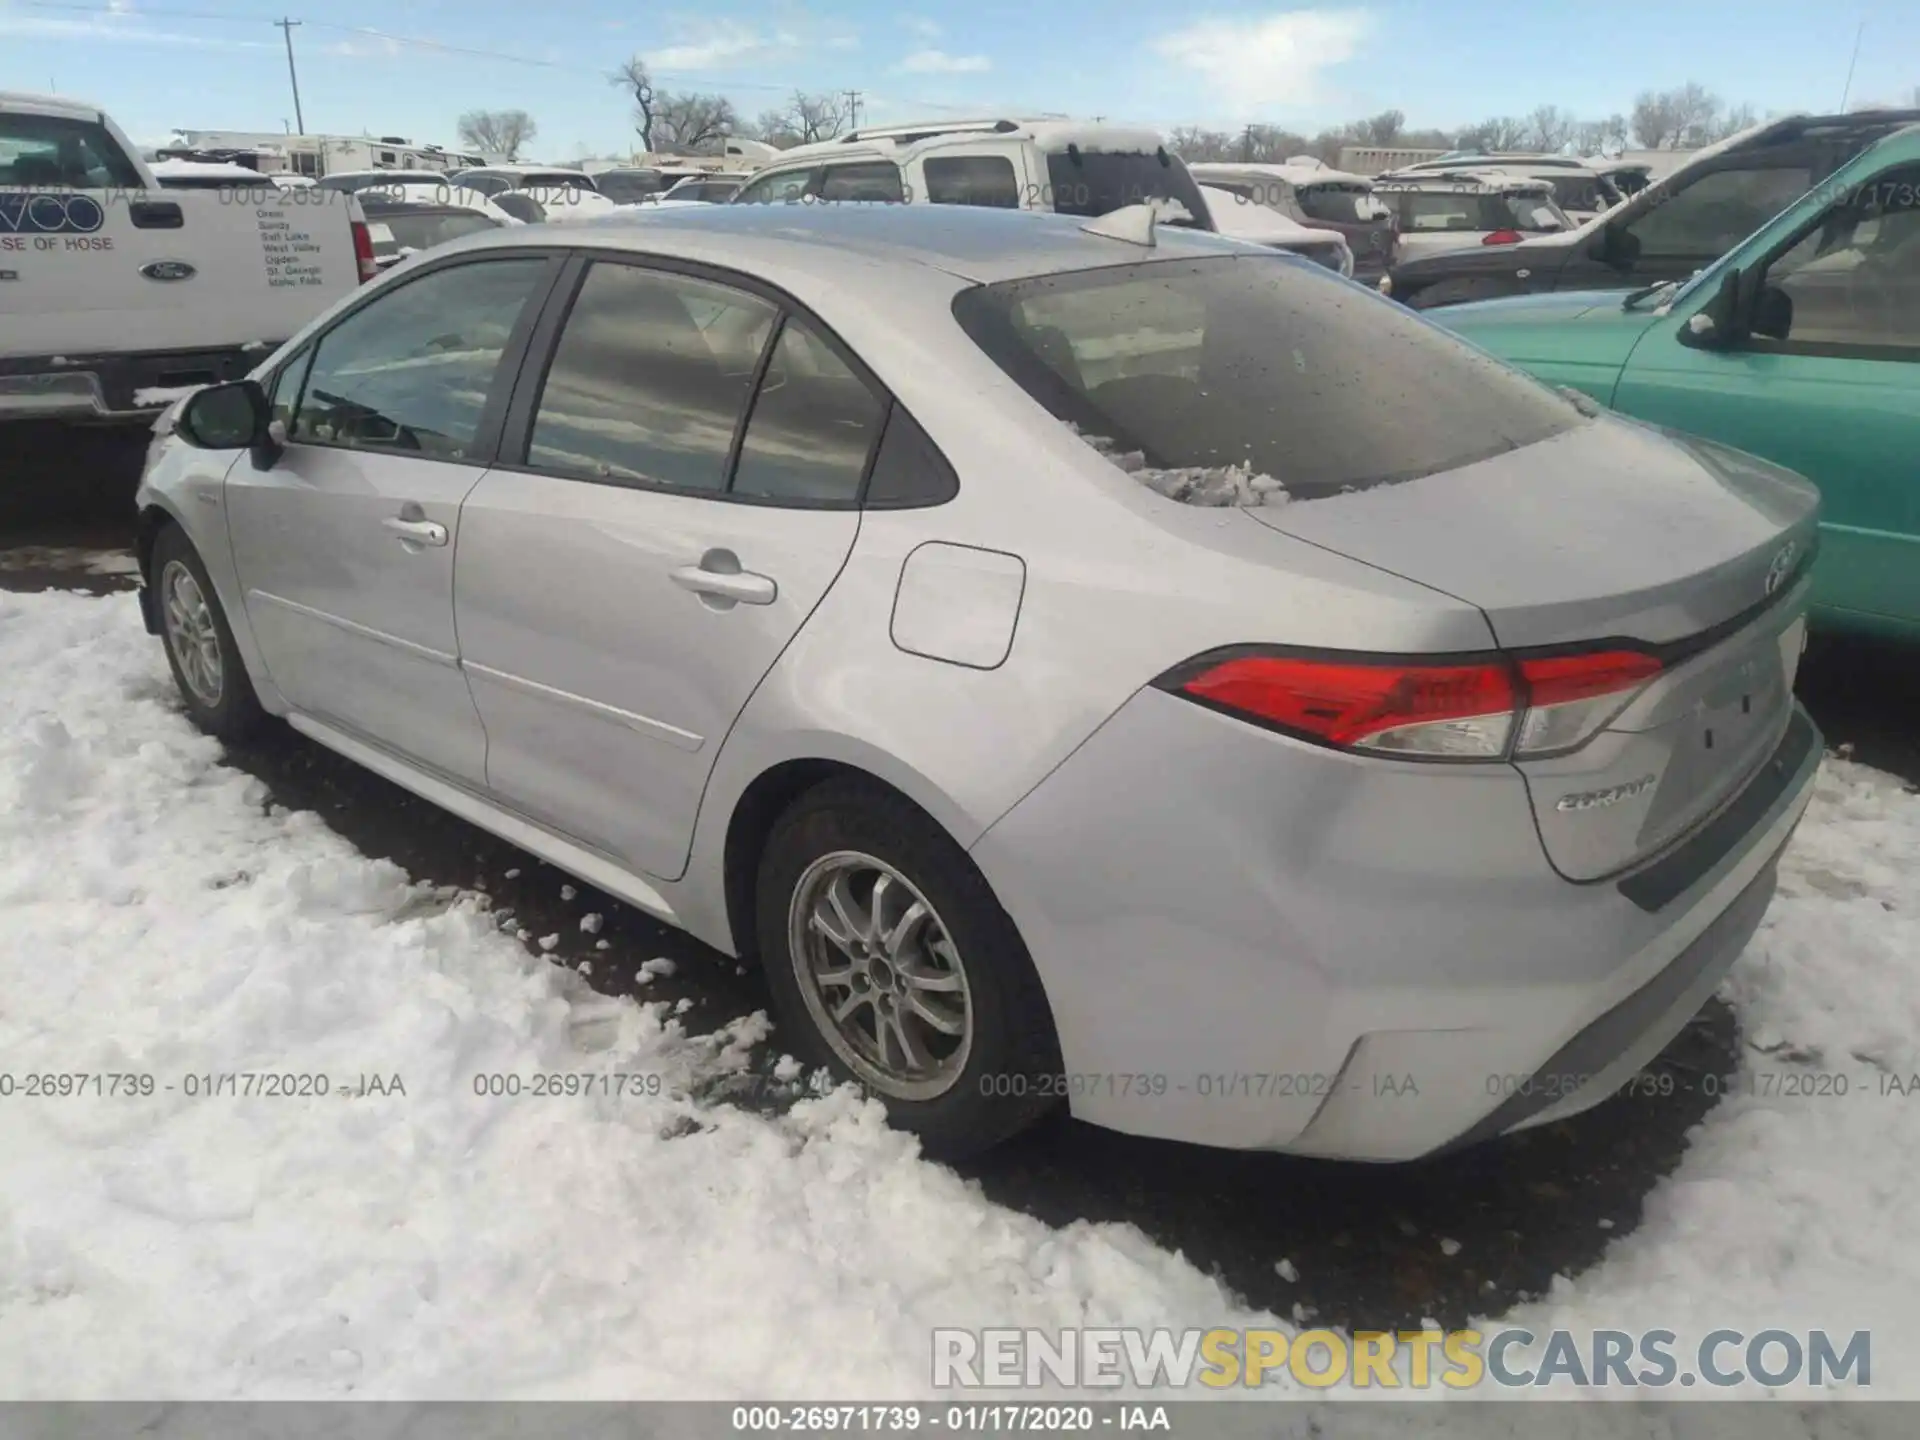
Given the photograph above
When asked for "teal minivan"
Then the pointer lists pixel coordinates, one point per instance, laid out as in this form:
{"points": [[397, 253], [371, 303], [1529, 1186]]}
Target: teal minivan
{"points": [[1801, 344]]}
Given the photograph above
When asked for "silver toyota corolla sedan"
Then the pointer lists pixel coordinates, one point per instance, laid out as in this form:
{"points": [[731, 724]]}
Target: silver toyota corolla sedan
{"points": [[1081, 665]]}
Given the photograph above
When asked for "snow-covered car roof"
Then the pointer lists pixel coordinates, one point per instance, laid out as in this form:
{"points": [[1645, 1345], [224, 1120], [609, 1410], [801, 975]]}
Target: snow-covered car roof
{"points": [[1292, 172], [897, 142], [48, 104], [1465, 180], [1245, 220], [208, 170], [437, 192]]}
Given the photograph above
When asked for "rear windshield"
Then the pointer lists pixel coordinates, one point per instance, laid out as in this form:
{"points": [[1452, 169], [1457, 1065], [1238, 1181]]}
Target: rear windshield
{"points": [[1097, 182], [533, 179], [49, 150], [1257, 366], [1340, 204], [1427, 211], [711, 192], [629, 188], [395, 233]]}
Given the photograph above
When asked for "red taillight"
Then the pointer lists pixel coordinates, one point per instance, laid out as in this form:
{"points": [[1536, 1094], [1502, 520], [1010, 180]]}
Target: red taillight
{"points": [[363, 251], [1477, 708], [1503, 237]]}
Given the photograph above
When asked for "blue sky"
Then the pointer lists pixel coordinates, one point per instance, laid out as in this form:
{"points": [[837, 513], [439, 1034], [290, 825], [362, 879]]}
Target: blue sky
{"points": [[406, 67]]}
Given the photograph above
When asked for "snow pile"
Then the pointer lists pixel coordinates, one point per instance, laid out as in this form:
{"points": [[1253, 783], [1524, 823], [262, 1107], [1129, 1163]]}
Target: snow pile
{"points": [[157, 918], [405, 1236], [1212, 485]]}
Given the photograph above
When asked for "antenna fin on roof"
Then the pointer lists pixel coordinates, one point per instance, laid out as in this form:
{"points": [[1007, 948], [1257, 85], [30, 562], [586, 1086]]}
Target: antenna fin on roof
{"points": [[1131, 223]]}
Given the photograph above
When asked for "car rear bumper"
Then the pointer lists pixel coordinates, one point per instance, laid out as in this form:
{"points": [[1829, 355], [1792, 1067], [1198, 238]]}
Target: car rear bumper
{"points": [[114, 387], [1256, 943]]}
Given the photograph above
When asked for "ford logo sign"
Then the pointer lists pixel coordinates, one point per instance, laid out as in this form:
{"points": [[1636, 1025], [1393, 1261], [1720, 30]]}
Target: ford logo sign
{"points": [[1781, 567], [168, 270]]}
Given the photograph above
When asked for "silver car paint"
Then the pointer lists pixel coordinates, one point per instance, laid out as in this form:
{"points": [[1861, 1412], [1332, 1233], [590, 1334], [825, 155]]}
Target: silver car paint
{"points": [[1275, 896]]}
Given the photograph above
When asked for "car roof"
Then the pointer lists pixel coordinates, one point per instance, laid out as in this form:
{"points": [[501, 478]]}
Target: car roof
{"points": [[522, 167], [1463, 181], [899, 142], [49, 104], [1295, 175], [973, 243], [1504, 160]]}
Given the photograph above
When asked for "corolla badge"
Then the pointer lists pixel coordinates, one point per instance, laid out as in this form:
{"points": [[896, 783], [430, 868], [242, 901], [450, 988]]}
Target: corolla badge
{"points": [[1612, 795], [171, 270], [1781, 566]]}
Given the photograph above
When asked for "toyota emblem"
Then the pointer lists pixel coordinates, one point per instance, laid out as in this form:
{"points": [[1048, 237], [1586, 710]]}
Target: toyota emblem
{"points": [[1781, 567]]}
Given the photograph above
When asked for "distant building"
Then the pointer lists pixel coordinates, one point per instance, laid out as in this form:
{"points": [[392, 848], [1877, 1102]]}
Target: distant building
{"points": [[273, 153], [1375, 159]]}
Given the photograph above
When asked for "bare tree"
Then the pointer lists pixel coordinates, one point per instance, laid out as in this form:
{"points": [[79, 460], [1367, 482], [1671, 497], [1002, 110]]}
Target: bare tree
{"points": [[1502, 132], [1592, 137], [1386, 128], [1741, 117], [814, 117], [773, 127], [693, 121], [1677, 119], [634, 78], [1194, 144], [497, 132], [1549, 128]]}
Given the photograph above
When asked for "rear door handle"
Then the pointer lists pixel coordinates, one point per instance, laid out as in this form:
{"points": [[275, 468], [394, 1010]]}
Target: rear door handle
{"points": [[718, 577], [415, 532]]}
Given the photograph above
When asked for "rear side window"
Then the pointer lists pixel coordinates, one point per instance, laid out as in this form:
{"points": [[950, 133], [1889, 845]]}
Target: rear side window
{"points": [[972, 180], [909, 471], [1257, 365], [649, 379], [872, 180], [1096, 183], [814, 423], [1340, 204], [411, 370], [47, 150], [787, 185]]}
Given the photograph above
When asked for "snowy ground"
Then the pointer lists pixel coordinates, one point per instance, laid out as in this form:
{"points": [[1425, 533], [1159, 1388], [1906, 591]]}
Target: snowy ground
{"points": [[159, 917]]}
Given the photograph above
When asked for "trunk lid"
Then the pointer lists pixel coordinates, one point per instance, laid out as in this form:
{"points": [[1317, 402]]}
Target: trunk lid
{"points": [[1615, 535]]}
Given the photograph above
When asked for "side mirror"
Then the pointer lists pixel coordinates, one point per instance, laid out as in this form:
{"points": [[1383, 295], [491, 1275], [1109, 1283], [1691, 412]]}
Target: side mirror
{"points": [[1772, 313], [224, 417], [1721, 323]]}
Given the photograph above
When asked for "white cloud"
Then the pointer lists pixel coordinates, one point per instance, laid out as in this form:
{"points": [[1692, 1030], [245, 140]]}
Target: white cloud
{"points": [[923, 27], [938, 62], [110, 27], [1267, 62], [730, 44]]}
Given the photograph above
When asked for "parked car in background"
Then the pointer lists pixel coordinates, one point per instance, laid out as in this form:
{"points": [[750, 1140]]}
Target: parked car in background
{"points": [[652, 545], [350, 182], [546, 204], [629, 185], [1681, 222], [1244, 219], [1578, 189], [206, 175], [1068, 167], [1802, 345], [115, 292], [498, 179], [1455, 209], [402, 228], [1629, 177], [705, 189], [1318, 197]]}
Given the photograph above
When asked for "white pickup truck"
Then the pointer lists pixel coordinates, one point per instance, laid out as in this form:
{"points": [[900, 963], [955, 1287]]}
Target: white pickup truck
{"points": [[115, 295]]}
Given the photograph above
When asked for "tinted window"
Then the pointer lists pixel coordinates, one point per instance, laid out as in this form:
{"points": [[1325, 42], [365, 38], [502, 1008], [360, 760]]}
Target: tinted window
{"points": [[909, 470], [396, 233], [972, 180], [771, 189], [46, 150], [649, 379], [1853, 282], [628, 187], [1340, 204], [813, 425], [485, 184], [1429, 211], [871, 180], [1256, 362], [1094, 183], [1717, 211], [411, 370], [521, 206]]}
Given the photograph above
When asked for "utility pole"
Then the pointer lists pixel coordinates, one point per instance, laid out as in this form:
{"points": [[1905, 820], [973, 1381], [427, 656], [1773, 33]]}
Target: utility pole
{"points": [[1246, 146], [286, 28], [853, 109]]}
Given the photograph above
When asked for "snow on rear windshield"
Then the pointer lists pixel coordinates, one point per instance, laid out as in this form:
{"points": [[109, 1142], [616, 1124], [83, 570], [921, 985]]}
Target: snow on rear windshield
{"points": [[1226, 373]]}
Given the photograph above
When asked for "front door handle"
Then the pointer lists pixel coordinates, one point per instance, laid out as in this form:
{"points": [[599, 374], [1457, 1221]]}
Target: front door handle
{"points": [[721, 583], [415, 532]]}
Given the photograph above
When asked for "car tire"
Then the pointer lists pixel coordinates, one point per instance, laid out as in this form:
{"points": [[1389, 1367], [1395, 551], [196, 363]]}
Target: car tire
{"points": [[961, 962], [207, 669]]}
